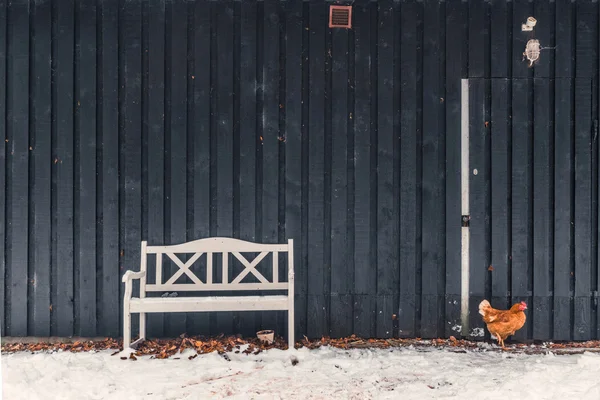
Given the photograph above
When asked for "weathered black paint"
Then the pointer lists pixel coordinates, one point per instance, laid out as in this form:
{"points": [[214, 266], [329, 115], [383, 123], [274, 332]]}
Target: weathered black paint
{"points": [[174, 120], [456, 68]]}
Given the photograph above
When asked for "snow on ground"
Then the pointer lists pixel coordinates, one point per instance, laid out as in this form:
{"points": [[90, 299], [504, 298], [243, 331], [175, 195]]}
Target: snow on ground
{"points": [[325, 373]]}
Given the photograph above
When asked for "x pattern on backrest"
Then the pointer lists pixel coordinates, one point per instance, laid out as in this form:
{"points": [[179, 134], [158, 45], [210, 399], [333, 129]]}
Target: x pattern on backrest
{"points": [[250, 267], [184, 268]]}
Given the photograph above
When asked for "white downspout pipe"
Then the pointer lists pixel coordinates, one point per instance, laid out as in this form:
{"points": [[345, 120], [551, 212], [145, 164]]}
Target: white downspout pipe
{"points": [[464, 188]]}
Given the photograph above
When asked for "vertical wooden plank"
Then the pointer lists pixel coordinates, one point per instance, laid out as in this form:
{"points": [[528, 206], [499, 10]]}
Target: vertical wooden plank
{"points": [[302, 298], [478, 38], [3, 164], [62, 99], [564, 39], [522, 9], [202, 136], [224, 137], [586, 67], [293, 149], [500, 193], [522, 213], [41, 152], [433, 234], [544, 13], [351, 187], [596, 168], [456, 62], [317, 323], [583, 212], [542, 213], [499, 39], [500, 19], [236, 59], [479, 199], [563, 209], [387, 222], [563, 170], [155, 103], [199, 266], [478, 180], [85, 200], [365, 277], [282, 325], [130, 162], [327, 180], [341, 311], [248, 137], [407, 313], [17, 124], [586, 39], [176, 135], [270, 135], [108, 182], [479, 161], [150, 270]]}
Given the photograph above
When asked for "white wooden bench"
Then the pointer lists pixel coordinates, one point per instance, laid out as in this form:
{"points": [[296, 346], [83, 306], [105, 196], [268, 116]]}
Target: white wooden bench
{"points": [[197, 248]]}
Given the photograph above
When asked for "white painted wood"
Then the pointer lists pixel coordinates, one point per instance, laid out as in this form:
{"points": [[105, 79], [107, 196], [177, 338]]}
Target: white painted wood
{"points": [[129, 275], [159, 257], [291, 320], [126, 326], [184, 268], [137, 342], [225, 268], [143, 267], [209, 303], [464, 186], [209, 268], [128, 280], [217, 245], [275, 266], [143, 304], [188, 287], [250, 267]]}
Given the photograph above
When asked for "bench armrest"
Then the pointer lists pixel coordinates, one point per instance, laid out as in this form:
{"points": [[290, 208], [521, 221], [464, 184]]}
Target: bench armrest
{"points": [[130, 275], [128, 278]]}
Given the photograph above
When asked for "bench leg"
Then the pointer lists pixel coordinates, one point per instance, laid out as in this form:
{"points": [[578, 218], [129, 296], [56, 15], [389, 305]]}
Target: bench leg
{"points": [[126, 329], [142, 326], [291, 342]]}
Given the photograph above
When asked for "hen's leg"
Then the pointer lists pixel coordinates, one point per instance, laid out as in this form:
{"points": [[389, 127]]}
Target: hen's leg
{"points": [[496, 336]]}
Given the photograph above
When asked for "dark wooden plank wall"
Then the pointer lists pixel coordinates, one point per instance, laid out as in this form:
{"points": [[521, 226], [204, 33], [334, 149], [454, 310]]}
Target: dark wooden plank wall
{"points": [[17, 166], [62, 129], [456, 68], [85, 174], [409, 213], [173, 120], [41, 146]]}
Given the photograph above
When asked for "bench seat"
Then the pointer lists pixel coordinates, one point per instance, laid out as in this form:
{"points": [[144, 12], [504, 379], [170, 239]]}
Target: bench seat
{"points": [[208, 303]]}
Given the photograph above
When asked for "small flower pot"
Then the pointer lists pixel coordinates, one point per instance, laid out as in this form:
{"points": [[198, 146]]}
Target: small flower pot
{"points": [[266, 336]]}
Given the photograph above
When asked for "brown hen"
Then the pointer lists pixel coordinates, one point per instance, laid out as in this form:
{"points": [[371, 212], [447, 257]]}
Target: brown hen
{"points": [[503, 323]]}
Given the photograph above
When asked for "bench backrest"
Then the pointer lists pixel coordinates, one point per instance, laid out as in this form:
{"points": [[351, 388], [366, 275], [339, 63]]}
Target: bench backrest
{"points": [[211, 246]]}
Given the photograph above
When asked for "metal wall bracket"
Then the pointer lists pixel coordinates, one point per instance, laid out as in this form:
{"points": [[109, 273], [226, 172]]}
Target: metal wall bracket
{"points": [[464, 221]]}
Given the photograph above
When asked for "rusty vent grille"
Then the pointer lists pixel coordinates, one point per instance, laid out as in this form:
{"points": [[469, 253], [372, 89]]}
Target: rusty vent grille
{"points": [[340, 17]]}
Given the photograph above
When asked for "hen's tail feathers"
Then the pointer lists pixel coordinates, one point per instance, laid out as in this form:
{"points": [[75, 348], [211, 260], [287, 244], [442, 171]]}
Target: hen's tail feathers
{"points": [[484, 306]]}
